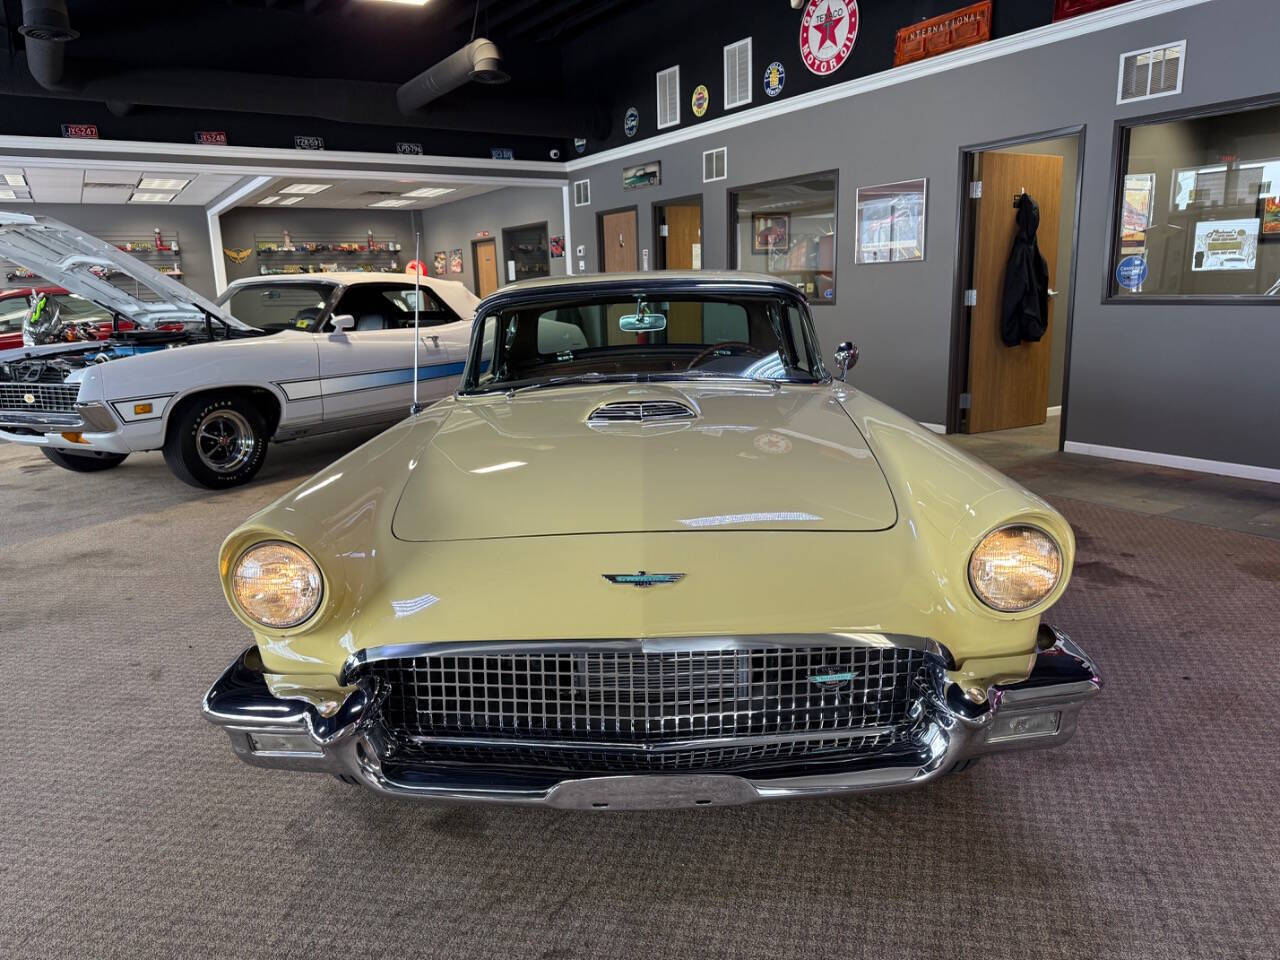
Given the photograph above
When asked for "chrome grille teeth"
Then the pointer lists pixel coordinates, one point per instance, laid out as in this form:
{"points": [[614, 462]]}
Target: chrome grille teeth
{"points": [[641, 411], [45, 397]]}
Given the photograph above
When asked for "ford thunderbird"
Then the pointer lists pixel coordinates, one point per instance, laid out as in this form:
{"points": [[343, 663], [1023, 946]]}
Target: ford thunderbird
{"points": [[652, 553], [276, 358]]}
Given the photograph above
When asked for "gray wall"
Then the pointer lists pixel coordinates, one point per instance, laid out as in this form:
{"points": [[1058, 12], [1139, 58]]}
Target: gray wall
{"points": [[454, 225], [241, 225], [139, 220], [1190, 380]]}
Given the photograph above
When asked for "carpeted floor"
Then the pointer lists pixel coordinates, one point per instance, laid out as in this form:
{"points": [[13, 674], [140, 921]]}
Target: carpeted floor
{"points": [[128, 829]]}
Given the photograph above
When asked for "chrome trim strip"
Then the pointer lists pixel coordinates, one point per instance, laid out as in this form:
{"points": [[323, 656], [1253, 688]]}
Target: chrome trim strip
{"points": [[640, 645], [666, 746], [51, 422]]}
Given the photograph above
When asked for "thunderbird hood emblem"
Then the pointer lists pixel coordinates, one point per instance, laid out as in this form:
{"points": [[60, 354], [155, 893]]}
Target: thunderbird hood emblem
{"points": [[642, 579]]}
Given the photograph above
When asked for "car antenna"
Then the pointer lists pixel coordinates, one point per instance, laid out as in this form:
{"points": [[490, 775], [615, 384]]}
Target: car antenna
{"points": [[416, 407]]}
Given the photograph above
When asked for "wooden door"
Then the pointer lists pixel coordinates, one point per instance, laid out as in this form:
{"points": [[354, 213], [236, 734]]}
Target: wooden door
{"points": [[618, 253], [485, 255], [682, 246], [1009, 386]]}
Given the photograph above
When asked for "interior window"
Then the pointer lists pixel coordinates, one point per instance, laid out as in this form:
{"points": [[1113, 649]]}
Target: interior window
{"points": [[788, 229]]}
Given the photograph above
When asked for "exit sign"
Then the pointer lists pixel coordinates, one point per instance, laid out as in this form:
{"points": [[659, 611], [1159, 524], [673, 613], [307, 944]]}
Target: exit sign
{"points": [[80, 131]]}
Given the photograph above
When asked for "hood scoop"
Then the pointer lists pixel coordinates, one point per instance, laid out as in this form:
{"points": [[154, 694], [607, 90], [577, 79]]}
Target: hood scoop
{"points": [[641, 411]]}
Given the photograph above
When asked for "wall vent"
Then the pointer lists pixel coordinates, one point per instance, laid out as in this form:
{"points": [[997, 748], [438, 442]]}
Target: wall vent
{"points": [[714, 164], [1150, 73], [668, 97], [737, 74], [582, 193]]}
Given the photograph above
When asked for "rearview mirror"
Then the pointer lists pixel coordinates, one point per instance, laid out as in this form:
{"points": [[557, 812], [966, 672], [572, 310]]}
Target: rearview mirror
{"points": [[846, 357], [642, 323], [342, 322]]}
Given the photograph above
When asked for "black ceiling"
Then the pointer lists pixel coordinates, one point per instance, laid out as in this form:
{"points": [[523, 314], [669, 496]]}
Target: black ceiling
{"points": [[266, 71]]}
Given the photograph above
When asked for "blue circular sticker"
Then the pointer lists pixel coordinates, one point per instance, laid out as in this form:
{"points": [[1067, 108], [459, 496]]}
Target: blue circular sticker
{"points": [[631, 121], [580, 144], [775, 77], [1131, 272]]}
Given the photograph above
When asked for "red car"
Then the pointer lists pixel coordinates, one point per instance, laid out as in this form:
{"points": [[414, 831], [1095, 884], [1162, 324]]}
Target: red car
{"points": [[15, 303]]}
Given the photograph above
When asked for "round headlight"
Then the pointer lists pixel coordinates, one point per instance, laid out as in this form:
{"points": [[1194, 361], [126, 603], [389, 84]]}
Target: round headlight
{"points": [[1015, 567], [277, 585]]}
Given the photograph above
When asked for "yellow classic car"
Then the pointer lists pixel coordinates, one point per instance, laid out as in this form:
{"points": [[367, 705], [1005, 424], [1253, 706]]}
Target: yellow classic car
{"points": [[651, 554]]}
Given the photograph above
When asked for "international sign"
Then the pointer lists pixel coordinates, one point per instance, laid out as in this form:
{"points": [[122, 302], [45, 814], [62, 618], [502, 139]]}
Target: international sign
{"points": [[951, 31]]}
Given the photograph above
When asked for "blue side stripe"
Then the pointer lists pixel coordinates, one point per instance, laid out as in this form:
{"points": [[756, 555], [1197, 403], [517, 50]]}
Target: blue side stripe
{"points": [[329, 386]]}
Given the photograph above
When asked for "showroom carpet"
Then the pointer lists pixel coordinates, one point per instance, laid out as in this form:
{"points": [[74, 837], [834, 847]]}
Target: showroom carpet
{"points": [[129, 830]]}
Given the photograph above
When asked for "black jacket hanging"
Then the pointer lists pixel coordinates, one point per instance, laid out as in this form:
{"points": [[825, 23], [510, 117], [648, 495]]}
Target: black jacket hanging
{"points": [[1024, 313]]}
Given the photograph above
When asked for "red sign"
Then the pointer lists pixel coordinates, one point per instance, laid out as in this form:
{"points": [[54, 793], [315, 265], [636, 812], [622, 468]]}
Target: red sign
{"points": [[1062, 9], [415, 266], [951, 31], [828, 31], [215, 138], [80, 131]]}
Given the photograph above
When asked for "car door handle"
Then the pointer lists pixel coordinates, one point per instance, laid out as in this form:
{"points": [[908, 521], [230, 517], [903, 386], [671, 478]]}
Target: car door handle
{"points": [[435, 341]]}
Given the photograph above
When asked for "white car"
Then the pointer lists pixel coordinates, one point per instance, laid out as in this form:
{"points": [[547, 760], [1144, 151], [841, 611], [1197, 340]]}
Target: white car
{"points": [[211, 384]]}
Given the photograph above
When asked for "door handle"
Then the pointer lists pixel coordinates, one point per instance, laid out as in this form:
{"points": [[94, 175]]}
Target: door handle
{"points": [[435, 340], [1053, 292]]}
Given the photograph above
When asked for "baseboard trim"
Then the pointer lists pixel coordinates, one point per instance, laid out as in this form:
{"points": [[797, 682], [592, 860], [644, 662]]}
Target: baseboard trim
{"points": [[1244, 471], [1054, 411], [935, 427]]}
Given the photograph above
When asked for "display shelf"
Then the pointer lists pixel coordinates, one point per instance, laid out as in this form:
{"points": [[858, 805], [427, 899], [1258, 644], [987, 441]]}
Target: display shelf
{"points": [[161, 251], [283, 253]]}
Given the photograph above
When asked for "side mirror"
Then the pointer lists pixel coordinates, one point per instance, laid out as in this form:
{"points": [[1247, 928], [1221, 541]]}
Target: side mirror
{"points": [[846, 357], [342, 322]]}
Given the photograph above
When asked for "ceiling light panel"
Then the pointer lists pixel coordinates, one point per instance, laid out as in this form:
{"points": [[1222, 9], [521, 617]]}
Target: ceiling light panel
{"points": [[171, 184], [290, 201], [7, 194], [267, 201], [143, 196], [305, 187], [15, 179], [429, 192], [391, 203]]}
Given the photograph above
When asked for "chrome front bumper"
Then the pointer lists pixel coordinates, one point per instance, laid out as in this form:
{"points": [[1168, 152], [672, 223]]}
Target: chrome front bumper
{"points": [[289, 733], [45, 428]]}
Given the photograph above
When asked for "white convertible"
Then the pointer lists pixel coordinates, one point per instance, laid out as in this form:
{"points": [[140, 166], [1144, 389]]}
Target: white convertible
{"points": [[211, 384]]}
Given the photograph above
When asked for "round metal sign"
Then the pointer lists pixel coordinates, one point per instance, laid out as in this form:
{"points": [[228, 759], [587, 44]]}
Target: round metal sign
{"points": [[701, 99], [775, 77], [631, 121], [828, 31]]}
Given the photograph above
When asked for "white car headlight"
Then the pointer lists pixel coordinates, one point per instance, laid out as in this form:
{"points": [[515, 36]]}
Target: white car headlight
{"points": [[277, 585], [1015, 567]]}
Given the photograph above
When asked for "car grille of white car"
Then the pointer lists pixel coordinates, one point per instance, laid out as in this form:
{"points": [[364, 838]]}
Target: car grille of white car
{"points": [[608, 710], [39, 397]]}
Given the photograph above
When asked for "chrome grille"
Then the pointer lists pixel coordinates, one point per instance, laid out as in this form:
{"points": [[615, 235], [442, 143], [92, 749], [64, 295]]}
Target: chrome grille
{"points": [[641, 411], [606, 709], [45, 397]]}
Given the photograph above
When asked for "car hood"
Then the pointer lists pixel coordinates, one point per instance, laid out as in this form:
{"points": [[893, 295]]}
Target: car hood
{"points": [[753, 457], [66, 255]]}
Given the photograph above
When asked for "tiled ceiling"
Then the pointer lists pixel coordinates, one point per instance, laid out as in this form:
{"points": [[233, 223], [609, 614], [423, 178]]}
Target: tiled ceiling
{"points": [[361, 194], [95, 185]]}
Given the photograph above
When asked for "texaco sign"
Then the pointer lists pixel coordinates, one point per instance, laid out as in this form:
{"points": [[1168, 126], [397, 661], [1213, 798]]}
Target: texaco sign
{"points": [[827, 34]]}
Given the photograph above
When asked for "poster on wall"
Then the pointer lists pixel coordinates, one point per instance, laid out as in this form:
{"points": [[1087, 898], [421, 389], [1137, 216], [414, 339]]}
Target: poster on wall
{"points": [[1135, 213], [891, 221], [951, 31], [642, 175], [455, 260], [1225, 245], [1270, 217], [438, 264], [770, 233], [557, 247]]}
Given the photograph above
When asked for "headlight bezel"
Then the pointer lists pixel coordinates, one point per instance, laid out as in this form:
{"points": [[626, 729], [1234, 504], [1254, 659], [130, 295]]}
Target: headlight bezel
{"points": [[1043, 602], [258, 625]]}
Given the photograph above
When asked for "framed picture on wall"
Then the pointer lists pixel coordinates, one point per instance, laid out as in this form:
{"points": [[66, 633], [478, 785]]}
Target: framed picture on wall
{"points": [[890, 222], [1269, 212], [455, 260], [438, 263], [642, 175], [770, 232]]}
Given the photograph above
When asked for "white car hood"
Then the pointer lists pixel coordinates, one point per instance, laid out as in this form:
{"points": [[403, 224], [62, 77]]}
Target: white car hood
{"points": [[66, 255]]}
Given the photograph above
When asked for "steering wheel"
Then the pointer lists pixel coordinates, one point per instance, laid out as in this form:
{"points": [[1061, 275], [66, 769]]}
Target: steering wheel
{"points": [[737, 346]]}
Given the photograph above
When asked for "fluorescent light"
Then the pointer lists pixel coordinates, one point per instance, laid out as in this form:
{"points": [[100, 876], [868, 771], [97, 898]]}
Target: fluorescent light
{"points": [[290, 201], [408, 3], [162, 183], [141, 197], [267, 201], [7, 194], [305, 187], [391, 203], [429, 192], [15, 179]]}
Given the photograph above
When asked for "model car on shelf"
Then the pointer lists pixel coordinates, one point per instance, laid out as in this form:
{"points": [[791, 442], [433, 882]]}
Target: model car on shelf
{"points": [[650, 554], [275, 358]]}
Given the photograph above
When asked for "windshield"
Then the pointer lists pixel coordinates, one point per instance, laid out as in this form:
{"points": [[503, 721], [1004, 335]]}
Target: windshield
{"points": [[641, 338], [278, 306]]}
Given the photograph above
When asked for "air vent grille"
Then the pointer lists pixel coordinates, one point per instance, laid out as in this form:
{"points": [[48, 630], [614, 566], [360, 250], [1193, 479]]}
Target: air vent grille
{"points": [[737, 74], [668, 97], [641, 411], [1155, 72], [714, 164]]}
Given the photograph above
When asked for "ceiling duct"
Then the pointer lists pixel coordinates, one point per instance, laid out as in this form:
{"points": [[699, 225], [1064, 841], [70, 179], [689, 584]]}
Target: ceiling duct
{"points": [[46, 25], [479, 60]]}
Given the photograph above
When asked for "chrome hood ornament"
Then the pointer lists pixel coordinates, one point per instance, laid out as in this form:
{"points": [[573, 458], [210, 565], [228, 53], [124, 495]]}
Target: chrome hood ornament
{"points": [[642, 579]]}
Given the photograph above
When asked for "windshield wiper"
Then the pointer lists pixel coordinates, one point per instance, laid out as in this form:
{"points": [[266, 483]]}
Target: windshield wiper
{"points": [[590, 377]]}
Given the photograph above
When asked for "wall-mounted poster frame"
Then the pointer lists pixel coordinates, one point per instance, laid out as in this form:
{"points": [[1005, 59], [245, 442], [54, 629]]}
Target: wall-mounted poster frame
{"points": [[891, 222], [770, 233]]}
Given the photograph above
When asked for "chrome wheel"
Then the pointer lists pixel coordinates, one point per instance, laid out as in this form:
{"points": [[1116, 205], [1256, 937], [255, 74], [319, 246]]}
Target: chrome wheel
{"points": [[224, 441]]}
